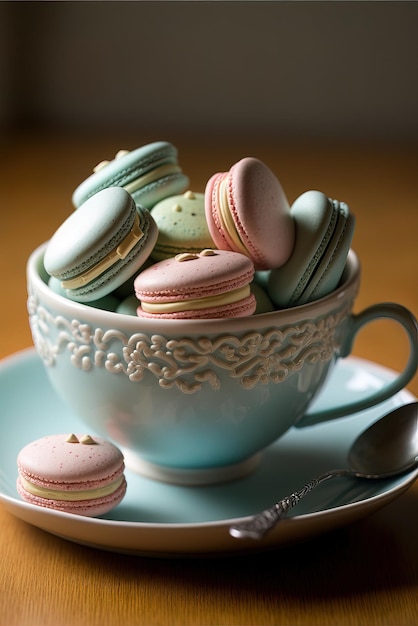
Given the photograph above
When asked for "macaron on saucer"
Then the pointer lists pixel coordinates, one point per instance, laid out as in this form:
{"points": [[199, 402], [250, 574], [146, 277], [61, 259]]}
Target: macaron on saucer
{"points": [[149, 174], [182, 226], [247, 211], [324, 231], [212, 284], [72, 473], [101, 245]]}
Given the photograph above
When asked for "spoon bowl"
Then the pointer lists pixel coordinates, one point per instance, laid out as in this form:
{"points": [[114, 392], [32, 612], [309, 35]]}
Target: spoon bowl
{"points": [[386, 448], [389, 446]]}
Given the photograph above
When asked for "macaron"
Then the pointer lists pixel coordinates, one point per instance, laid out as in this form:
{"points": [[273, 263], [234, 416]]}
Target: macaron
{"points": [[211, 284], [182, 226], [247, 211], [101, 245], [127, 288], [149, 174], [262, 278], [324, 232], [263, 300], [128, 305], [107, 303], [73, 473]]}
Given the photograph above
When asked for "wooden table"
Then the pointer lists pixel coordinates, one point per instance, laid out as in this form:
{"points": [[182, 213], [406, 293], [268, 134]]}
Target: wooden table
{"points": [[362, 574]]}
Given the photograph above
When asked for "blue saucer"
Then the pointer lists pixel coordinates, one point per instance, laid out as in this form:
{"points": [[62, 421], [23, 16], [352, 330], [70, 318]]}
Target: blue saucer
{"points": [[158, 519]]}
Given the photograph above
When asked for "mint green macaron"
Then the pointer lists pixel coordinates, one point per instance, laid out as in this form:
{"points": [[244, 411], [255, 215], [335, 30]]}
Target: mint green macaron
{"points": [[107, 303], [324, 232], [101, 245], [263, 300], [128, 306], [149, 173]]}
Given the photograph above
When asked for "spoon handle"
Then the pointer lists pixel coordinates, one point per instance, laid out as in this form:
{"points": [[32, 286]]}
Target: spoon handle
{"points": [[258, 525]]}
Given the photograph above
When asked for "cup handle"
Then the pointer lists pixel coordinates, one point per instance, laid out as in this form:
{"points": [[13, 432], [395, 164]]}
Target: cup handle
{"points": [[389, 310]]}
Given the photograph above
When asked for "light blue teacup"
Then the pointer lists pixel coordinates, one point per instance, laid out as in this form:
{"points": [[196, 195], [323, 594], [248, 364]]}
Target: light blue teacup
{"points": [[194, 402]]}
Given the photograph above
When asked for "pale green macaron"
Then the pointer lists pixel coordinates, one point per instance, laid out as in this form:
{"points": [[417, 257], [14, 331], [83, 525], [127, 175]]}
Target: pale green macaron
{"points": [[149, 173], [324, 232], [107, 303], [128, 306], [182, 225], [263, 300], [101, 245]]}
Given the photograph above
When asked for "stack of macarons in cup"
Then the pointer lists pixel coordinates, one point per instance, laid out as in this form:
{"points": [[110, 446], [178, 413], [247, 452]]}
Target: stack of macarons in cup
{"points": [[141, 242], [137, 226]]}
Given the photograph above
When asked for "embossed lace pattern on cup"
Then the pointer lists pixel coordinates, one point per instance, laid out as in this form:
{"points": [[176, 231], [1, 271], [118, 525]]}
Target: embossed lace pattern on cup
{"points": [[257, 357]]}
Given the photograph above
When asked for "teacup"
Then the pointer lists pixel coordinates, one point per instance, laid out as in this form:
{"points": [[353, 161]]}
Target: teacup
{"points": [[191, 401]]}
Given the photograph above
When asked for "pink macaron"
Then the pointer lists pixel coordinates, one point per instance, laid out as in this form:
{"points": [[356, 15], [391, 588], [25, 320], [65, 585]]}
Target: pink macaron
{"points": [[211, 284], [247, 211], [72, 473]]}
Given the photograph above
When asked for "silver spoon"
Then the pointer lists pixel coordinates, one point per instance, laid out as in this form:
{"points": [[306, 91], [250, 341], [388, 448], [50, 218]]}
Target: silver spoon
{"points": [[388, 447]]}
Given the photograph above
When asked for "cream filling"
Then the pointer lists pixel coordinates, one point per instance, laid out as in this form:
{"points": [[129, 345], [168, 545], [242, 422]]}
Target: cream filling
{"points": [[199, 303], [71, 496], [226, 218], [121, 252], [152, 176]]}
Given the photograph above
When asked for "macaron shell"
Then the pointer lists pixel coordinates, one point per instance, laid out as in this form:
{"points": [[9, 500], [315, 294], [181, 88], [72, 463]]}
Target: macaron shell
{"points": [[88, 234], [127, 288], [107, 303], [259, 209], [88, 508], [264, 303], [128, 306], [323, 238], [124, 269], [202, 276], [182, 225], [70, 464], [182, 281], [315, 221], [262, 278], [52, 461], [242, 308], [125, 169], [155, 192], [91, 233], [329, 271]]}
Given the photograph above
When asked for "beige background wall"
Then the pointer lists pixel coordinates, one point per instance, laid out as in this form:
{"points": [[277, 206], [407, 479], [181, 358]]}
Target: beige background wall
{"points": [[282, 68]]}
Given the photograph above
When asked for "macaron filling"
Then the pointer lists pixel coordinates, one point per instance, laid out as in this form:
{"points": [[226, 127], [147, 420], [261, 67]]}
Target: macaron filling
{"points": [[71, 496], [117, 254], [160, 172], [236, 295], [225, 216]]}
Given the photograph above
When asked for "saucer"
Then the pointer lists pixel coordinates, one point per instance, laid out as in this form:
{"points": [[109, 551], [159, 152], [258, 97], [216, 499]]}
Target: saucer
{"points": [[158, 519]]}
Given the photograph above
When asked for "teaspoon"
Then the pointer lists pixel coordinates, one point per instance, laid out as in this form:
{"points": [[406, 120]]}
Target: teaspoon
{"points": [[387, 448]]}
